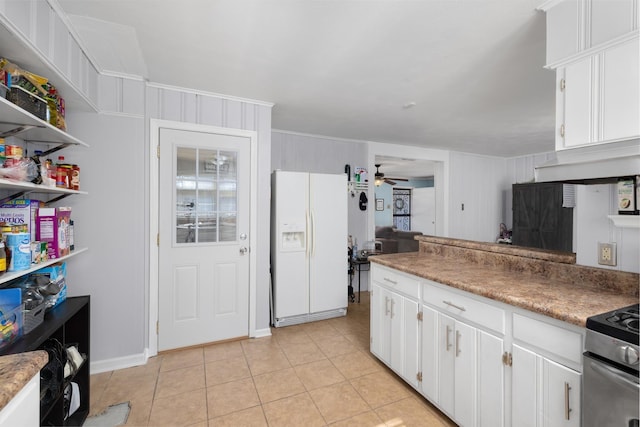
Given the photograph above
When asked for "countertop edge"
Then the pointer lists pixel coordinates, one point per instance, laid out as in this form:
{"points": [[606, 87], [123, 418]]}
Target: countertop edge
{"points": [[531, 302], [16, 370]]}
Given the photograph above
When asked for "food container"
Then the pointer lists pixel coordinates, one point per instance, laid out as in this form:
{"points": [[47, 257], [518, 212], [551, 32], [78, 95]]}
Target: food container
{"points": [[20, 245], [32, 318], [28, 102]]}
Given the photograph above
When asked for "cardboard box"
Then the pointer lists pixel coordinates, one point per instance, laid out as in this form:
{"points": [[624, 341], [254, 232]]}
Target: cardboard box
{"points": [[52, 226], [21, 212]]}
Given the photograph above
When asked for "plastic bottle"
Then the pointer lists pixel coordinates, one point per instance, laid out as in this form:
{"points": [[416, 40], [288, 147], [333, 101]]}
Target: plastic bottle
{"points": [[355, 249]]}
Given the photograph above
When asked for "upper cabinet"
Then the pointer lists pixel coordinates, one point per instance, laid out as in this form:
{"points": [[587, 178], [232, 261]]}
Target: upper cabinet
{"points": [[597, 97], [577, 27], [594, 47]]}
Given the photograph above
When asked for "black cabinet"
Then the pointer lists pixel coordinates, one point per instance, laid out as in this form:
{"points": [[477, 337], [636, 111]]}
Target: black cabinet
{"points": [[539, 220], [69, 324]]}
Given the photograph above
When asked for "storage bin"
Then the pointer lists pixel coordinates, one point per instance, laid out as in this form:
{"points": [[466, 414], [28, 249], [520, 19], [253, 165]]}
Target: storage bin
{"points": [[28, 102], [10, 325], [32, 318]]}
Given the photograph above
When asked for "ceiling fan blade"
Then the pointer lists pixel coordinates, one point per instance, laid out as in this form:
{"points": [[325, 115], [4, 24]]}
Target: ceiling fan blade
{"points": [[388, 181], [399, 179]]}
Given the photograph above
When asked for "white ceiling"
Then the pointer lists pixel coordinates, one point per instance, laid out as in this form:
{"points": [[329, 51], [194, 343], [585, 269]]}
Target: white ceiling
{"points": [[346, 68]]}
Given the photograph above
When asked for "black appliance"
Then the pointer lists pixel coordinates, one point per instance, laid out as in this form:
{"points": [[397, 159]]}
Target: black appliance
{"points": [[611, 386]]}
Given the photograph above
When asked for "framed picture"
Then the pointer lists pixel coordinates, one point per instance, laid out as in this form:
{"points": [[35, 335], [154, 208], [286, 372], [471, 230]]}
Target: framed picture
{"points": [[379, 204]]}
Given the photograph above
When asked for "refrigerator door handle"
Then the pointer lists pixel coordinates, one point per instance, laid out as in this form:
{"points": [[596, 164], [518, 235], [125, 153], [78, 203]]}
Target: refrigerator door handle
{"points": [[313, 234], [307, 235]]}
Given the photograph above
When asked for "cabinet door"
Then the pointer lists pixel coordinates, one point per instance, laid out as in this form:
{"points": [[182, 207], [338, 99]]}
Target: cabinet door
{"points": [[465, 374], [446, 359], [490, 381], [576, 104], [411, 345], [560, 395], [377, 308], [524, 385], [395, 336], [621, 109], [430, 353]]}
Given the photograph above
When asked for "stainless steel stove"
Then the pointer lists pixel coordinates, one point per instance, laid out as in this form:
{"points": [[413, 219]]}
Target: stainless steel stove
{"points": [[610, 375]]}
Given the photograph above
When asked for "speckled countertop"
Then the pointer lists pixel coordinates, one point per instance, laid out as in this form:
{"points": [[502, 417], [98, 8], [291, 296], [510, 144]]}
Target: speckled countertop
{"points": [[552, 287], [16, 370]]}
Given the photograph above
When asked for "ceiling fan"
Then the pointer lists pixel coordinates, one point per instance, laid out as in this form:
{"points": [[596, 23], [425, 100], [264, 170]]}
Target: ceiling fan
{"points": [[379, 178]]}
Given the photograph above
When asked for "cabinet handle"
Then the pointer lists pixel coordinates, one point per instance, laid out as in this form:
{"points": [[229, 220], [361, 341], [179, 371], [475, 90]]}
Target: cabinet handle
{"points": [[457, 343], [386, 305], [567, 410], [447, 339], [562, 131], [449, 303], [386, 279], [393, 303]]}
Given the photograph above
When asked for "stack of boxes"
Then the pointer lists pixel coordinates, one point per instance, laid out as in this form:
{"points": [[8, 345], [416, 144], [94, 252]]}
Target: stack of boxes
{"points": [[49, 229]]}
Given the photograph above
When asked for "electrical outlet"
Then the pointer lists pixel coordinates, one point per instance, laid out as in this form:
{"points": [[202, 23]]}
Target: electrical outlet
{"points": [[607, 254]]}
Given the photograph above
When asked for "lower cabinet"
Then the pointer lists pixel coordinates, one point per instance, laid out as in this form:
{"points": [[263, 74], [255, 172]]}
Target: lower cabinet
{"points": [[483, 363], [394, 330], [544, 393], [462, 370], [24, 408]]}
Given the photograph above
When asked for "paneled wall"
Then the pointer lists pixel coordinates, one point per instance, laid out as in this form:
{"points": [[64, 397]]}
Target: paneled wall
{"points": [[308, 153], [476, 200]]}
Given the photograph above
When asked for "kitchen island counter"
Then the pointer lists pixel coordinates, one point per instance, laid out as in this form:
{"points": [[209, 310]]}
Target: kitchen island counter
{"points": [[16, 370], [555, 288]]}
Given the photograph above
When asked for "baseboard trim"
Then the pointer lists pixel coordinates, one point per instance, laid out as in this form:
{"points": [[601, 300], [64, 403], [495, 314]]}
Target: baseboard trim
{"points": [[261, 333], [118, 363]]}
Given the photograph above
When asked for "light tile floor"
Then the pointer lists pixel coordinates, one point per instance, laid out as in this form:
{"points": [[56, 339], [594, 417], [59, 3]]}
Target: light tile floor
{"points": [[315, 374]]}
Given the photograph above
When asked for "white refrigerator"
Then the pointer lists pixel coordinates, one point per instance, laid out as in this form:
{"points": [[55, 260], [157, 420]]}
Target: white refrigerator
{"points": [[309, 260]]}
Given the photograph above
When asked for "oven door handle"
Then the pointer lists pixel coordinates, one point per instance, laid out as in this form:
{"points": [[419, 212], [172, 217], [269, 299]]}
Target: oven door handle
{"points": [[612, 373]]}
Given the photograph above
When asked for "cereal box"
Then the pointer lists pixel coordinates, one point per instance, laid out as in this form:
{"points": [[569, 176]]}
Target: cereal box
{"points": [[52, 227], [21, 212]]}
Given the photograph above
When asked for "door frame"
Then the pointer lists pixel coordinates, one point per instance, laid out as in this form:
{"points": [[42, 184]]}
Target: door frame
{"points": [[154, 198]]}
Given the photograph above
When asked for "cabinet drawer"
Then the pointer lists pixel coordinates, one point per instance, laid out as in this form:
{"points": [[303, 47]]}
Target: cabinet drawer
{"points": [[550, 338], [464, 307], [396, 280]]}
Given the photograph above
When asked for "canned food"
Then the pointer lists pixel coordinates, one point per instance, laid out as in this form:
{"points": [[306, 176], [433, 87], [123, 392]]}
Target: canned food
{"points": [[13, 151]]}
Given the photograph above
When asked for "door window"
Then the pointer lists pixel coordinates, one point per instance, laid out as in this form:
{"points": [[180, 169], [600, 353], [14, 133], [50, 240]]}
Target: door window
{"points": [[206, 196]]}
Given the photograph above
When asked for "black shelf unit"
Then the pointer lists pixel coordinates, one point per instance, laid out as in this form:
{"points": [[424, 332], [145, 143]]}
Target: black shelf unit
{"points": [[69, 323]]}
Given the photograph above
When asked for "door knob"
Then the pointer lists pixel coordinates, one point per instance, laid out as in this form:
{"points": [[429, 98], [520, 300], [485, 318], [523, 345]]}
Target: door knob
{"points": [[243, 250]]}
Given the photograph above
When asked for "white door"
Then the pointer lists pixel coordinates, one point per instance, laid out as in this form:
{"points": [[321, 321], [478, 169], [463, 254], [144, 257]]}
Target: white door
{"points": [[423, 213], [204, 237]]}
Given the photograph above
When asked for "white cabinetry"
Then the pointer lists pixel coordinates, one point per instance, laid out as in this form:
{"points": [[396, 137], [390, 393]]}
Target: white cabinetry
{"points": [[24, 409], [594, 47], [597, 97], [394, 321], [545, 391], [482, 362], [462, 352]]}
